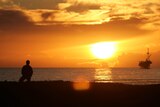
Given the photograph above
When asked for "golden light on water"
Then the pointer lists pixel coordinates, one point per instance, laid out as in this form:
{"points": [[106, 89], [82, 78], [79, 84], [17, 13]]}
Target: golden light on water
{"points": [[103, 75], [103, 50], [81, 83]]}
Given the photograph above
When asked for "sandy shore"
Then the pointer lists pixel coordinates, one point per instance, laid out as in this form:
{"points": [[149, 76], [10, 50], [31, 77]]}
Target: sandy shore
{"points": [[63, 94]]}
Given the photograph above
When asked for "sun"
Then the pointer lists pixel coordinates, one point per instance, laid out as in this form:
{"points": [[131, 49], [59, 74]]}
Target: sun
{"points": [[103, 50]]}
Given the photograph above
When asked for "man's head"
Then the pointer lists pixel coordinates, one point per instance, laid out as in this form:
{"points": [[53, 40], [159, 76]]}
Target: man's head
{"points": [[27, 62]]}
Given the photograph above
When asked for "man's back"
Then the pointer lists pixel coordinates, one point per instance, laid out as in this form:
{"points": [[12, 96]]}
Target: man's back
{"points": [[27, 70]]}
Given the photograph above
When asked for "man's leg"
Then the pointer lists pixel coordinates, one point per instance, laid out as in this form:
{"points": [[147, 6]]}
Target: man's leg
{"points": [[28, 79], [22, 79]]}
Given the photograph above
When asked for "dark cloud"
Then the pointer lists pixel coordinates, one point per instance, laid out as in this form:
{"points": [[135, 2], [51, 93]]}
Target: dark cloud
{"points": [[130, 27], [47, 15], [133, 21], [33, 4], [83, 7], [13, 18], [151, 8]]}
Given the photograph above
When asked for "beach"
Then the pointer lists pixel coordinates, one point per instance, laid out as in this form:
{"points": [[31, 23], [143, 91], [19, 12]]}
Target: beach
{"points": [[64, 94]]}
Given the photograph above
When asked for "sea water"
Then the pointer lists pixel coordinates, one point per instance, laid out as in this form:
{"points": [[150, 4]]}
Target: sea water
{"points": [[105, 75]]}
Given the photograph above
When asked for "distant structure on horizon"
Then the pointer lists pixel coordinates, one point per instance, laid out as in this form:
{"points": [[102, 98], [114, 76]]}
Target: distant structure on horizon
{"points": [[146, 64]]}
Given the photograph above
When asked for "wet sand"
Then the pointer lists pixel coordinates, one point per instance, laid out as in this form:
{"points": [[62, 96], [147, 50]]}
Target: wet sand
{"points": [[62, 94]]}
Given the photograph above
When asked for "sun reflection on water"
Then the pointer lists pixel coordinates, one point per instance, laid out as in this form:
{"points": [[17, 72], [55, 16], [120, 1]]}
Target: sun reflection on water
{"points": [[103, 75]]}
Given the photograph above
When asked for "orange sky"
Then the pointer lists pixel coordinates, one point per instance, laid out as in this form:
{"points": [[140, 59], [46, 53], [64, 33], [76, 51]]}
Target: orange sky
{"points": [[59, 33]]}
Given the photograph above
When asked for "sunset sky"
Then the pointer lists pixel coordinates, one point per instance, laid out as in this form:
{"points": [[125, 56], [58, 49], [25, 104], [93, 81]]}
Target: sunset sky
{"points": [[61, 33]]}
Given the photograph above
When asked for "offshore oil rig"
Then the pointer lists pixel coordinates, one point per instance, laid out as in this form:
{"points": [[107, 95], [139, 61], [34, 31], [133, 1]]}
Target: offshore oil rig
{"points": [[146, 64]]}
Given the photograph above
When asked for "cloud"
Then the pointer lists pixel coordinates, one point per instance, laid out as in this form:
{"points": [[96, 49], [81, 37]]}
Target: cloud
{"points": [[5, 1], [46, 15], [32, 4], [83, 7], [87, 12], [10, 18], [80, 23], [109, 10], [41, 16]]}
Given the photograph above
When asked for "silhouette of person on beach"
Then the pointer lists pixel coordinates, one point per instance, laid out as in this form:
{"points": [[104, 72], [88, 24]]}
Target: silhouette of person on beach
{"points": [[27, 72]]}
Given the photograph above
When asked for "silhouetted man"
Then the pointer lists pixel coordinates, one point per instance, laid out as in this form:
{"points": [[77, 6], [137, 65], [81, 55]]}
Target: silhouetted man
{"points": [[26, 72]]}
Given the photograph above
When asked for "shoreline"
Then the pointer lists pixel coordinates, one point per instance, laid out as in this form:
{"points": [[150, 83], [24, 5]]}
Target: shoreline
{"points": [[62, 94], [138, 82]]}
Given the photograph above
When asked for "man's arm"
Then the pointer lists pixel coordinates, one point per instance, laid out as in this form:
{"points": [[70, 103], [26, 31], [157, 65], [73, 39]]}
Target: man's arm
{"points": [[23, 70]]}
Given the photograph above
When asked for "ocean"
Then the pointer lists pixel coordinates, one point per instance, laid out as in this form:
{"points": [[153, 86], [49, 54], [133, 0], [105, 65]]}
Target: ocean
{"points": [[132, 76]]}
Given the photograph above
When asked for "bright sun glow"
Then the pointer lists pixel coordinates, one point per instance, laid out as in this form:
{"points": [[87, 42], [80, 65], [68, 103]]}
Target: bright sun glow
{"points": [[103, 50]]}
